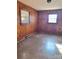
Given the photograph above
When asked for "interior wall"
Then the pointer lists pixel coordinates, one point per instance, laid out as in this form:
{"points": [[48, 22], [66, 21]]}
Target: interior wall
{"points": [[23, 30], [38, 21], [44, 26]]}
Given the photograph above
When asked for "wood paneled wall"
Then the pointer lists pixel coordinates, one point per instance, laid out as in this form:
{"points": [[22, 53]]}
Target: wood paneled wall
{"points": [[23, 30], [44, 26], [38, 21]]}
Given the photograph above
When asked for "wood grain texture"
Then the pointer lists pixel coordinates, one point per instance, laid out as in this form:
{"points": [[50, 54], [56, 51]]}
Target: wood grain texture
{"points": [[23, 30], [44, 26], [38, 21]]}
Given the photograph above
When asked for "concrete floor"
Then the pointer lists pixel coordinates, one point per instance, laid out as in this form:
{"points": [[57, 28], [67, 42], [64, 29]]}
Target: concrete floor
{"points": [[40, 46]]}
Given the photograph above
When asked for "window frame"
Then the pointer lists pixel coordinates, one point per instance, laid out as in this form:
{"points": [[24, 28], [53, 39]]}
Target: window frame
{"points": [[56, 19]]}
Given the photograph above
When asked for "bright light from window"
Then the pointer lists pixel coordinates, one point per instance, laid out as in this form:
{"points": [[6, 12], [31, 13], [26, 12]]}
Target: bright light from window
{"points": [[50, 45], [52, 18], [59, 46]]}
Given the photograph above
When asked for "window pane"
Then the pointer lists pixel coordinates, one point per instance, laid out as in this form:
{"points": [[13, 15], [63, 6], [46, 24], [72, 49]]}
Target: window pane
{"points": [[52, 18]]}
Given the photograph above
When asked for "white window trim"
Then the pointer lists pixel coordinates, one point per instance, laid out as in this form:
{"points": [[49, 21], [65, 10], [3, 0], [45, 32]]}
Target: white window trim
{"points": [[53, 19]]}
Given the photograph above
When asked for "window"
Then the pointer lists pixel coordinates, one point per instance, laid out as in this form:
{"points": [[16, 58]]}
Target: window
{"points": [[25, 17], [52, 18]]}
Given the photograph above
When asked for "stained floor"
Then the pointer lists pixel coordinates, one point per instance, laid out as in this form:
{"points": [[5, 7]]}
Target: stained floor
{"points": [[40, 46]]}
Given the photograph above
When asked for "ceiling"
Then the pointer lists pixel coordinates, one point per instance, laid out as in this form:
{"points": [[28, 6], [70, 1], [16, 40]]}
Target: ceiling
{"points": [[43, 5]]}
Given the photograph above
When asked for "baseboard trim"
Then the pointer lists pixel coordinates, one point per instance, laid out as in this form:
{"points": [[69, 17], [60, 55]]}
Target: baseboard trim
{"points": [[25, 37]]}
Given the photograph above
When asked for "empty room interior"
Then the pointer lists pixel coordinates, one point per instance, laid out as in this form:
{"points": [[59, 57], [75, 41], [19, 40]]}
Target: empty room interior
{"points": [[39, 29]]}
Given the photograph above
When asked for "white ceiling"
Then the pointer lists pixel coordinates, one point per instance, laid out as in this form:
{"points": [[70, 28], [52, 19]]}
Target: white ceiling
{"points": [[43, 5]]}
